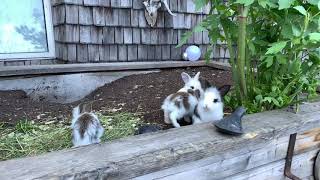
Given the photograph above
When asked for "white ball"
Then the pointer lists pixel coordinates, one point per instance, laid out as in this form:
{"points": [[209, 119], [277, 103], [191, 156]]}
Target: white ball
{"points": [[193, 53]]}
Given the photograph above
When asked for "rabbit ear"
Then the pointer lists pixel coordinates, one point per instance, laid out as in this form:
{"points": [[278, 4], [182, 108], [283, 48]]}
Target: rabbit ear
{"points": [[224, 90], [197, 76], [185, 77]]}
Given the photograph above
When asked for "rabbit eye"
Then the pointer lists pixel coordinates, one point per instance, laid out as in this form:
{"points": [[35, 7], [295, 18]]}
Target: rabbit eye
{"points": [[191, 87], [215, 100]]}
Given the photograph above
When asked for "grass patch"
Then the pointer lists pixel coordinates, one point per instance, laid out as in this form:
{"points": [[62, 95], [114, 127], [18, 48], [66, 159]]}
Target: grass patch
{"points": [[28, 138]]}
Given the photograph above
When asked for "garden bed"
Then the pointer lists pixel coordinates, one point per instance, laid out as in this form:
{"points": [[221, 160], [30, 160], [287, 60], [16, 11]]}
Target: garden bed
{"points": [[29, 127], [140, 94]]}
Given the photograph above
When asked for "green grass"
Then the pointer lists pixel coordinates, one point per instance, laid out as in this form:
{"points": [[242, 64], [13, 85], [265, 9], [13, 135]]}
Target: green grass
{"points": [[28, 138]]}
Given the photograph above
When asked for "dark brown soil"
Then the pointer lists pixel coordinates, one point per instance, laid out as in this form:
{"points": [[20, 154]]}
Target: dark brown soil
{"points": [[142, 94]]}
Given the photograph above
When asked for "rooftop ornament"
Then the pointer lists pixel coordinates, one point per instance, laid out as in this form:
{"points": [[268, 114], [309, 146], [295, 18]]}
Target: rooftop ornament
{"points": [[151, 11]]}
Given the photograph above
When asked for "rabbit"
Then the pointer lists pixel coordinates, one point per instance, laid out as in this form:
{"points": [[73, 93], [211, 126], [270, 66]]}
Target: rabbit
{"points": [[210, 105], [179, 105], [193, 84], [86, 127]]}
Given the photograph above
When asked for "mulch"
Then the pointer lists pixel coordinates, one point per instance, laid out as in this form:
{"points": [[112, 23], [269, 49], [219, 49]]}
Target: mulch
{"points": [[142, 94]]}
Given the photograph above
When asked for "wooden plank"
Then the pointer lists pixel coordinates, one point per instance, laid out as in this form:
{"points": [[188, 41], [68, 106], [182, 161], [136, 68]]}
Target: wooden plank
{"points": [[123, 53], [104, 3], [72, 14], [98, 16], [137, 4], [111, 16], [85, 15], [85, 36], [91, 2], [108, 35], [127, 35], [134, 18], [175, 53], [113, 52], [118, 35], [89, 67], [160, 20], [72, 52], [104, 53], [139, 155], [151, 53], [182, 6], [96, 35], [173, 4], [132, 52], [145, 36], [142, 20], [93, 53], [142, 52], [126, 3], [115, 3], [82, 53], [124, 17], [165, 52], [71, 33], [229, 168], [168, 23], [154, 33], [58, 14], [136, 39]]}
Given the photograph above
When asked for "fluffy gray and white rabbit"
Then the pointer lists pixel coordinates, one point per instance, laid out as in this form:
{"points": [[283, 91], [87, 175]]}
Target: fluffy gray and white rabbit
{"points": [[179, 105], [210, 105], [86, 127]]}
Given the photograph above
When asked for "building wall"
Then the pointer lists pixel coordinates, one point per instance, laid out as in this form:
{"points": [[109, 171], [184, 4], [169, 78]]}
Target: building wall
{"points": [[116, 31]]}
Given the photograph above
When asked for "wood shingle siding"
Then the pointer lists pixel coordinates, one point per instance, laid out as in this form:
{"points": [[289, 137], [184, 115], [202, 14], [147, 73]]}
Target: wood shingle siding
{"points": [[115, 26]]}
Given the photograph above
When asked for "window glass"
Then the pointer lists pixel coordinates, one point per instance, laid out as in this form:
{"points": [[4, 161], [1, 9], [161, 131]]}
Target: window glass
{"points": [[22, 27]]}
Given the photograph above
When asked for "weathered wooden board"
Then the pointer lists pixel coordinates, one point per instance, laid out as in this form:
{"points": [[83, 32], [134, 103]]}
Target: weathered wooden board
{"points": [[136, 156], [247, 163]]}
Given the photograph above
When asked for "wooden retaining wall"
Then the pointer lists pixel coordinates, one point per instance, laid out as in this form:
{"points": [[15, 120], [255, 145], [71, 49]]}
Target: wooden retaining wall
{"points": [[192, 152]]}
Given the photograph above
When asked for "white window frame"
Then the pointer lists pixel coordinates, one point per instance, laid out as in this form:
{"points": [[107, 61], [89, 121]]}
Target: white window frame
{"points": [[50, 40]]}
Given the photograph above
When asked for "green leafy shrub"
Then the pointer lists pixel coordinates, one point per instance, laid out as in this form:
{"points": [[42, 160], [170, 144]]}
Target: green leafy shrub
{"points": [[278, 54]]}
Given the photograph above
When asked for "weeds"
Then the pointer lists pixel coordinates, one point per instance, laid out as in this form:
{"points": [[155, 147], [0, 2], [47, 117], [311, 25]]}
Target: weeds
{"points": [[28, 138]]}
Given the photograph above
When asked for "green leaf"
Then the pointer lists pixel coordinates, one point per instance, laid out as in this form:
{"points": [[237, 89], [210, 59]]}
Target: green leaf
{"points": [[301, 10], [314, 37], [276, 47], [269, 61], [296, 30], [313, 2], [200, 3], [319, 5], [207, 55], [184, 38], [262, 3], [285, 4], [245, 2]]}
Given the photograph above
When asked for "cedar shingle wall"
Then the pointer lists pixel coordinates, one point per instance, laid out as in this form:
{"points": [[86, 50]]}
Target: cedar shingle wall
{"points": [[116, 31]]}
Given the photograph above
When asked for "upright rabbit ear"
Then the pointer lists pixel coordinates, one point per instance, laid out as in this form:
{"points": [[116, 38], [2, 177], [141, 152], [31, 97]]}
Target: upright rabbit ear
{"points": [[197, 76], [185, 77], [224, 90]]}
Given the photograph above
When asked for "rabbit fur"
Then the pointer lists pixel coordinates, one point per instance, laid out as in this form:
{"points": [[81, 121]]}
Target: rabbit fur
{"points": [[86, 127], [210, 105]]}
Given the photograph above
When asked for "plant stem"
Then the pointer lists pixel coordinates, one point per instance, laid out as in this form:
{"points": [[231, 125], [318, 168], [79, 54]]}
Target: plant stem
{"points": [[241, 56], [232, 61]]}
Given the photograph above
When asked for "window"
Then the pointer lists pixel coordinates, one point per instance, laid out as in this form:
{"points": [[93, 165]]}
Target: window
{"points": [[26, 29]]}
